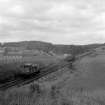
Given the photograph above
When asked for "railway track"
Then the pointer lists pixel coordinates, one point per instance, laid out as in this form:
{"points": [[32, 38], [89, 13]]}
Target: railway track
{"points": [[20, 82]]}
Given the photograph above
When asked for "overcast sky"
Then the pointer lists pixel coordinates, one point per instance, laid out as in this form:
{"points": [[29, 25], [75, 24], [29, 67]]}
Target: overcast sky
{"points": [[57, 21]]}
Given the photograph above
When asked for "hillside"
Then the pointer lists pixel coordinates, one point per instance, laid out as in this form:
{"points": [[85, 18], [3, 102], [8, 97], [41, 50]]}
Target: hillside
{"points": [[49, 47], [91, 70]]}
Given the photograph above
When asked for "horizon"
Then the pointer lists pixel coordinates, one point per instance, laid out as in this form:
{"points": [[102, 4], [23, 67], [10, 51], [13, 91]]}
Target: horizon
{"points": [[47, 42], [58, 21]]}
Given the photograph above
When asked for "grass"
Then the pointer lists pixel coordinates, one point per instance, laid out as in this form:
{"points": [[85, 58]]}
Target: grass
{"points": [[54, 96], [92, 73], [85, 87], [38, 94]]}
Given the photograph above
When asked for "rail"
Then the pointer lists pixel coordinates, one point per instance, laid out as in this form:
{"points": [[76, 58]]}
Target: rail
{"points": [[32, 77]]}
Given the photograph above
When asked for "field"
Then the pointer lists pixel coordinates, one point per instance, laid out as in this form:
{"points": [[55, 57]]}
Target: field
{"points": [[84, 86], [91, 70]]}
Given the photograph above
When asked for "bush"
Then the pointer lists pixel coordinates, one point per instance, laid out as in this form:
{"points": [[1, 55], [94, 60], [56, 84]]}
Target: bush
{"points": [[35, 88]]}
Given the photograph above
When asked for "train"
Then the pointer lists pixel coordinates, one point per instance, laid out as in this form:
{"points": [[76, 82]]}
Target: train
{"points": [[28, 68]]}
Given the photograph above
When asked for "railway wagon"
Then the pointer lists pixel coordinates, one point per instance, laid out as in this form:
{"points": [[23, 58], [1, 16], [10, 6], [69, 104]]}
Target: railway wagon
{"points": [[29, 68]]}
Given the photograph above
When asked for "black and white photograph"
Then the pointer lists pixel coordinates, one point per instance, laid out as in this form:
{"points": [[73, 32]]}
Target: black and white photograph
{"points": [[52, 52]]}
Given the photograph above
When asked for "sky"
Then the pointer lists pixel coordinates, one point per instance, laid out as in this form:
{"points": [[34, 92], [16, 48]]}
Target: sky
{"points": [[56, 21]]}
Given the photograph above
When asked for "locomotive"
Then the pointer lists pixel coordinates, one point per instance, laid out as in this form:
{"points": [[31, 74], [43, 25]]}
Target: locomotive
{"points": [[29, 68]]}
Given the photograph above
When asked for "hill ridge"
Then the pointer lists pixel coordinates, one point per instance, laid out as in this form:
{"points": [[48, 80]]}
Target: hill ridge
{"points": [[49, 47]]}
